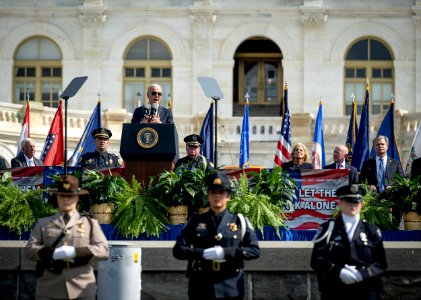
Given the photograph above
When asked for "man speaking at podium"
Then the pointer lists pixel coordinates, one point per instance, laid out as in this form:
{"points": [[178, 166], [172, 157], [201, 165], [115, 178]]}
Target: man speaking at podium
{"points": [[152, 112]]}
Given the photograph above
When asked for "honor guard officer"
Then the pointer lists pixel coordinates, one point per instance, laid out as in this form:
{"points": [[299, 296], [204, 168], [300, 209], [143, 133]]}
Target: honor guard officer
{"points": [[216, 244], [348, 254], [63, 245], [100, 158], [193, 158]]}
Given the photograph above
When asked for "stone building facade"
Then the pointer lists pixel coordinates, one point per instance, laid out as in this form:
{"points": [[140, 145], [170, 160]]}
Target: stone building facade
{"points": [[309, 44]]}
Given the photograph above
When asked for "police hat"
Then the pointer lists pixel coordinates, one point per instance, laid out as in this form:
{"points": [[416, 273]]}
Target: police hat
{"points": [[102, 133], [219, 181], [68, 185], [351, 193], [193, 140]]}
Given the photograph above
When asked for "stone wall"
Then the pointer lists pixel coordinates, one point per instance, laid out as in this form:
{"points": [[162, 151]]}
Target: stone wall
{"points": [[282, 272]]}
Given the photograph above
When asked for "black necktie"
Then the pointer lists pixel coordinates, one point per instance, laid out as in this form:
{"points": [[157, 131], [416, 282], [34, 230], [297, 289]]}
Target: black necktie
{"points": [[66, 218]]}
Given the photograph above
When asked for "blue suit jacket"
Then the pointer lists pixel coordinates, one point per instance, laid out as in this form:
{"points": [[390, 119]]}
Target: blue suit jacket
{"points": [[20, 162], [165, 115]]}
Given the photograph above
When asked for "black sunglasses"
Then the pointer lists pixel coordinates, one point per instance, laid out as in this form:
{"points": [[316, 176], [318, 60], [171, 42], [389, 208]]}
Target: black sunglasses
{"points": [[154, 94]]}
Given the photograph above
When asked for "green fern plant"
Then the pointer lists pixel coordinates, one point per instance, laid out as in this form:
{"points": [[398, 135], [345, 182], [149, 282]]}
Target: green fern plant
{"points": [[138, 213], [377, 211], [256, 206], [21, 209]]}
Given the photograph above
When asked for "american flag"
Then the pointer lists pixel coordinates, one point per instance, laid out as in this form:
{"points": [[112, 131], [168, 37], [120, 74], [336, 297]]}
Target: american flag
{"points": [[283, 148]]}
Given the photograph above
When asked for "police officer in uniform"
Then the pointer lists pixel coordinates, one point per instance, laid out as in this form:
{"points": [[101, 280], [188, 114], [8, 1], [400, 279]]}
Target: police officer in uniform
{"points": [[100, 158], [216, 244], [348, 254], [193, 158], [63, 245]]}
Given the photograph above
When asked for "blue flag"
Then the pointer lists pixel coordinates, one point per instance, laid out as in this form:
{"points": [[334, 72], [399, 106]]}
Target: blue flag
{"points": [[387, 129], [86, 142], [318, 152], [361, 147], [352, 132], [244, 142], [207, 134]]}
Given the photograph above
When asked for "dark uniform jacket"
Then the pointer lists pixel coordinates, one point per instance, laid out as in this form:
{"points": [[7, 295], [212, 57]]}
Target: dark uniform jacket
{"points": [[369, 171], [94, 160], [196, 162], [416, 168], [290, 166], [20, 161], [165, 115], [353, 173], [365, 251], [212, 279]]}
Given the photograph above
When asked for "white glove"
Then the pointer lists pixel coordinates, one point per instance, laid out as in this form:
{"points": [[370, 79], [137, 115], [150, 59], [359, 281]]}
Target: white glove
{"points": [[214, 253], [357, 274], [347, 276], [64, 252]]}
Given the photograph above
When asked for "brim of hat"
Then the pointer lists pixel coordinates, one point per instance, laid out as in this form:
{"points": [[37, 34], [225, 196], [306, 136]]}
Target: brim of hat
{"points": [[102, 135], [218, 187], [352, 199], [81, 192], [193, 144]]}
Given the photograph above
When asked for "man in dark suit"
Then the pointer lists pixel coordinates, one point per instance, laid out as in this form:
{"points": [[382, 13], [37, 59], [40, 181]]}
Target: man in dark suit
{"points": [[380, 171], [26, 159], [2, 164], [339, 156], [416, 168], [153, 113]]}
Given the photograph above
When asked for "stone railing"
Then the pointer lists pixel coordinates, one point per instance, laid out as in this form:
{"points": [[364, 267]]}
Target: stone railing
{"points": [[264, 131]]}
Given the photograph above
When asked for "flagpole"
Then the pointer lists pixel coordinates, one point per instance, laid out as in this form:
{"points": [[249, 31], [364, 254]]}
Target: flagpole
{"points": [[65, 134], [216, 132]]}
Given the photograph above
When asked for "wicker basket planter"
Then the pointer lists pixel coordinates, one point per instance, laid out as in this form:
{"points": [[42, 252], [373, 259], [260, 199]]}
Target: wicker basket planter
{"points": [[178, 214], [412, 221], [103, 212]]}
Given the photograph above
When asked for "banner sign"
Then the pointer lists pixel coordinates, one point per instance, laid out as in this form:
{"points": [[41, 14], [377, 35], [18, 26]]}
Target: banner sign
{"points": [[316, 197]]}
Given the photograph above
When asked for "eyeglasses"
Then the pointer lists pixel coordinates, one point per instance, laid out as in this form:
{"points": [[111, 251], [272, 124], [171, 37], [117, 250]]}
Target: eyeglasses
{"points": [[154, 94]]}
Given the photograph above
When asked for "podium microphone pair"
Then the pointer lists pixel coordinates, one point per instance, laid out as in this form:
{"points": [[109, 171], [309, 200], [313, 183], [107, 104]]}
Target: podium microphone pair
{"points": [[149, 111]]}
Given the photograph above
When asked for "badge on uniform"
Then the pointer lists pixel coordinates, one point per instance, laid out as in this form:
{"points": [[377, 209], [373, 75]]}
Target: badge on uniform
{"points": [[218, 237], [201, 226], [90, 160], [363, 238], [233, 227]]}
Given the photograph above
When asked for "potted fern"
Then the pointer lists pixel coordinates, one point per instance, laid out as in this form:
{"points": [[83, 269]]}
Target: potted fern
{"points": [[405, 194], [21, 209], [254, 201], [138, 212], [102, 193]]}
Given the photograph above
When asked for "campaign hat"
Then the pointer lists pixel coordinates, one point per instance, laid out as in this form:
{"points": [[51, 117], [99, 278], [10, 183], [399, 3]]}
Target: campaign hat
{"points": [[68, 185]]}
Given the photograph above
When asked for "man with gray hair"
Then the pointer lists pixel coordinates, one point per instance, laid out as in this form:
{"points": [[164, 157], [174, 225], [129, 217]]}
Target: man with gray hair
{"points": [[339, 162], [380, 171], [27, 157], [153, 112]]}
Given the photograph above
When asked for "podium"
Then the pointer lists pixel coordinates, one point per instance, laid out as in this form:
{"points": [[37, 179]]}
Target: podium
{"points": [[148, 149]]}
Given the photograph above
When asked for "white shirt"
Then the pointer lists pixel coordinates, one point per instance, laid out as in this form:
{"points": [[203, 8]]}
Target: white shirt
{"points": [[350, 224], [29, 161]]}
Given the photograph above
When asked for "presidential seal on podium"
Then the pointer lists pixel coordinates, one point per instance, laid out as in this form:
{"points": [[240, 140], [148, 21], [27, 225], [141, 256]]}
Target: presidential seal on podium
{"points": [[147, 137]]}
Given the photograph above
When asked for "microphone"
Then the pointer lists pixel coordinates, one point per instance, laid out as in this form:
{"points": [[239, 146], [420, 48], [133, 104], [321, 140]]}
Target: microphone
{"points": [[146, 109], [154, 109]]}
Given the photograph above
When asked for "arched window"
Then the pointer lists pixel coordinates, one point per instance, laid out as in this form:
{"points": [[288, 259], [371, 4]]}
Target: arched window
{"points": [[37, 72], [146, 61], [372, 60], [258, 72]]}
